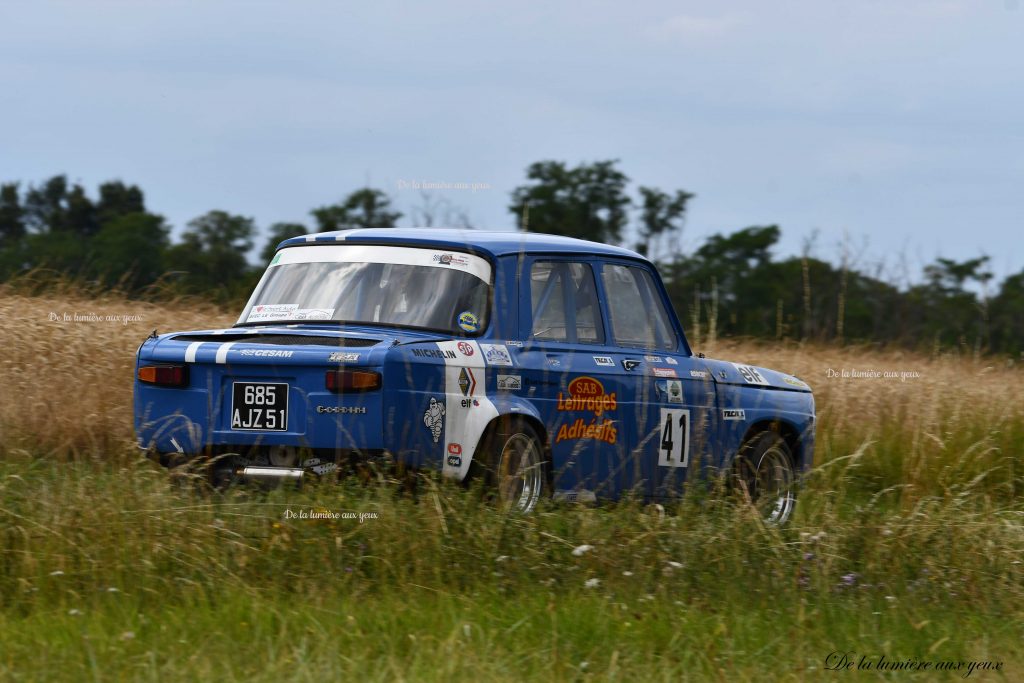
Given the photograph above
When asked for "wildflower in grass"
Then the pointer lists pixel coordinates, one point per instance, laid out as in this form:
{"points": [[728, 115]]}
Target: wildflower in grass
{"points": [[501, 558], [57, 573], [592, 583], [128, 635], [581, 550], [74, 612], [675, 565], [627, 573], [850, 579]]}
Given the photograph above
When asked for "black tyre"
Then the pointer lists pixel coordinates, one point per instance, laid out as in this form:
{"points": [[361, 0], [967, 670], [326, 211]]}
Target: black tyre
{"points": [[512, 465], [765, 472]]}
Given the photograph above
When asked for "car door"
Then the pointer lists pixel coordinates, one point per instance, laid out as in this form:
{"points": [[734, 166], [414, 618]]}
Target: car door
{"points": [[667, 393], [571, 377]]}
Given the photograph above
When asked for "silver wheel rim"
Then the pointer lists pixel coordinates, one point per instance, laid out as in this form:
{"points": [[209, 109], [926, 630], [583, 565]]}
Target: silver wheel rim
{"points": [[520, 476], [774, 486]]}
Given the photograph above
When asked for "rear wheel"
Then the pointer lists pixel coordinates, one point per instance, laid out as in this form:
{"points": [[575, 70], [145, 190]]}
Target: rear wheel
{"points": [[511, 464], [765, 472]]}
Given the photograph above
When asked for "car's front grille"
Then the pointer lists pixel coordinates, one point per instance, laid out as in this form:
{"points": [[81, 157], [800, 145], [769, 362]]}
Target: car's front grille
{"points": [[279, 339]]}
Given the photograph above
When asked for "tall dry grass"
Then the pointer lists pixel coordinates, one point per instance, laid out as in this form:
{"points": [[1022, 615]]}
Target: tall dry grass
{"points": [[67, 385], [946, 419]]}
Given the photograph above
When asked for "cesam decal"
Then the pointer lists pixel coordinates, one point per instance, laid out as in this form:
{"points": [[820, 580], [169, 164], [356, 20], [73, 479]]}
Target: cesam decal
{"points": [[588, 394]]}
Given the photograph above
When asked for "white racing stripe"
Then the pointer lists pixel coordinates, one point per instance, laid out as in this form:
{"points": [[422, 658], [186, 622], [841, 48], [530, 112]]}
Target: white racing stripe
{"points": [[464, 424], [222, 352], [190, 352]]}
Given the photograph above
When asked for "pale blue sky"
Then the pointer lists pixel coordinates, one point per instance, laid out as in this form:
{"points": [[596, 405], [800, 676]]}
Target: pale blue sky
{"points": [[899, 123]]}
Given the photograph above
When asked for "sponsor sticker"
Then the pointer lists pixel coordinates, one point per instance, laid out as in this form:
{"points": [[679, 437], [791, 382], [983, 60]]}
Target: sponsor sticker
{"points": [[437, 353], [266, 353], [467, 381], [749, 374], [271, 312], [312, 314], [674, 390], [341, 410], [628, 364], [343, 357], [451, 260], [654, 359], [734, 414], [605, 361], [469, 322], [663, 372], [699, 374], [496, 354], [465, 348], [510, 382], [671, 361], [586, 394], [433, 418], [513, 342], [794, 382]]}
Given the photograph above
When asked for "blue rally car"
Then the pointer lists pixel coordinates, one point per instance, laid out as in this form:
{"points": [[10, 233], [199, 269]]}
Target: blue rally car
{"points": [[550, 367]]}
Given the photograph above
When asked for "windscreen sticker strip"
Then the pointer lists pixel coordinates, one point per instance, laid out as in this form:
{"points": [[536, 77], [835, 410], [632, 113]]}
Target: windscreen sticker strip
{"points": [[372, 253]]}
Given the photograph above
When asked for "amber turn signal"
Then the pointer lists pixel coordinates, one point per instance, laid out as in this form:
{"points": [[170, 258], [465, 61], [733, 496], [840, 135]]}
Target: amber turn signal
{"points": [[352, 380], [164, 375]]}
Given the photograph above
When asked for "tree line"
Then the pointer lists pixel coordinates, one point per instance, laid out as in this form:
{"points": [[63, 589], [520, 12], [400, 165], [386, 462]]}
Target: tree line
{"points": [[731, 285]]}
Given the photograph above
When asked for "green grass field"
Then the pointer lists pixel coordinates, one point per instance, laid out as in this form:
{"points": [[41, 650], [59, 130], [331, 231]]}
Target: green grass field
{"points": [[908, 542]]}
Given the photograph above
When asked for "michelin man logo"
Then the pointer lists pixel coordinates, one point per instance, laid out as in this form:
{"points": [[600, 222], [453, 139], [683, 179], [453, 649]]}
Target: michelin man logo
{"points": [[433, 418]]}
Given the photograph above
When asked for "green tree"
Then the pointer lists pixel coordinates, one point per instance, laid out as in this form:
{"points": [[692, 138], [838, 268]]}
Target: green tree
{"points": [[117, 199], [588, 201], [279, 232], [212, 255], [661, 217], [12, 216], [130, 250], [365, 208]]}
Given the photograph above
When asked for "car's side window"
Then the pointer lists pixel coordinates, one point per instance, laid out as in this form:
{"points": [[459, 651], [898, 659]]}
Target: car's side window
{"points": [[563, 299], [637, 315]]}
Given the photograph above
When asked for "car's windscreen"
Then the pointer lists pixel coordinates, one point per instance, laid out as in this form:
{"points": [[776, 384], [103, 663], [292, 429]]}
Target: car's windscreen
{"points": [[401, 286]]}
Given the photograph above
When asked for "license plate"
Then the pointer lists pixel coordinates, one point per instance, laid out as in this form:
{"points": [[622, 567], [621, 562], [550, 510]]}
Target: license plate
{"points": [[256, 406]]}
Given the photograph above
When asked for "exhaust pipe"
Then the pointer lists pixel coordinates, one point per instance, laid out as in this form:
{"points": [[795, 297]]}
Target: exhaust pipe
{"points": [[271, 475]]}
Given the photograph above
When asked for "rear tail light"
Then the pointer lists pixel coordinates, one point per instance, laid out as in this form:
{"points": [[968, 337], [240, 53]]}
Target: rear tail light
{"points": [[352, 380], [164, 375]]}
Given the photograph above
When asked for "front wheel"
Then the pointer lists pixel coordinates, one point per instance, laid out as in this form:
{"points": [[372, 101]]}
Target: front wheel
{"points": [[765, 472], [511, 464]]}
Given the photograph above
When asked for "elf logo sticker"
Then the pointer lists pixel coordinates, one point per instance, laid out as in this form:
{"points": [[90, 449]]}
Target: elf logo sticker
{"points": [[750, 374]]}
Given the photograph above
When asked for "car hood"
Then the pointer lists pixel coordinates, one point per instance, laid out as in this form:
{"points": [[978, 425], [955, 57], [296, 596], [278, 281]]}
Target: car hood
{"points": [[726, 372]]}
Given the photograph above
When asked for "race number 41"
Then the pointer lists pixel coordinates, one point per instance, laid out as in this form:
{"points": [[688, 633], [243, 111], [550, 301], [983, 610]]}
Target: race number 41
{"points": [[674, 444]]}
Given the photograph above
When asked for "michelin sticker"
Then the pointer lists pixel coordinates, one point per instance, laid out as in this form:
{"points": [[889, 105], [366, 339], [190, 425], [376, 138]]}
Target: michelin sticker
{"points": [[433, 418], [496, 354]]}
